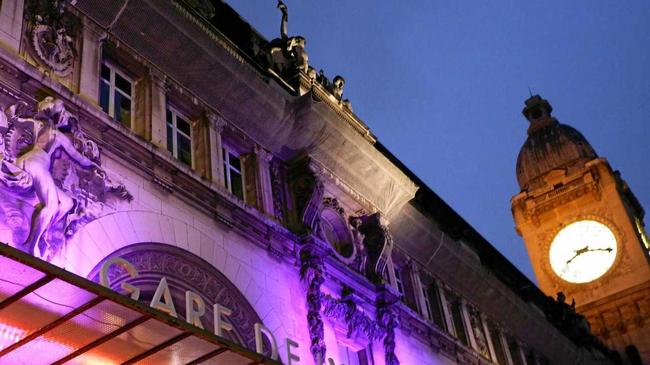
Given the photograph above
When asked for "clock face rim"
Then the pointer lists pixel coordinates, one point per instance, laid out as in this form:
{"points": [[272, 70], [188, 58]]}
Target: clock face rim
{"points": [[613, 229]]}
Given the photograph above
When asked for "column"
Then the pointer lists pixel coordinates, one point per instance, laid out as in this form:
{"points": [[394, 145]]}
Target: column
{"points": [[217, 124], [11, 24], [264, 186], [90, 63]]}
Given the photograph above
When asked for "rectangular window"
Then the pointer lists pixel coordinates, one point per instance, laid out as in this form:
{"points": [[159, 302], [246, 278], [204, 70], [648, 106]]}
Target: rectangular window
{"points": [[456, 313], [179, 136], [433, 305], [233, 173], [530, 357], [399, 282], [459, 324], [515, 354], [499, 352], [349, 356], [116, 94]]}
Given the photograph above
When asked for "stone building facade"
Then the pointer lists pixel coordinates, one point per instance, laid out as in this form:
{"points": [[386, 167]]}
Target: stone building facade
{"points": [[171, 136]]}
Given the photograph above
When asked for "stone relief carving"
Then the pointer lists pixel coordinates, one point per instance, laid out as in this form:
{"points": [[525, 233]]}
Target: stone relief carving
{"points": [[334, 228], [307, 192], [377, 242], [477, 329], [51, 179], [361, 258], [52, 33]]}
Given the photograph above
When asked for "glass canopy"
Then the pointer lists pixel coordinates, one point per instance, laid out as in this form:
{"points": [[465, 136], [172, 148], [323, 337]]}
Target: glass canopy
{"points": [[51, 316]]}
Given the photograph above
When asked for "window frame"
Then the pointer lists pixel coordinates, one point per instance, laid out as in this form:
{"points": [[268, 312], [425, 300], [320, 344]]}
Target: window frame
{"points": [[227, 167], [428, 290], [175, 115], [399, 281], [354, 354], [114, 70]]}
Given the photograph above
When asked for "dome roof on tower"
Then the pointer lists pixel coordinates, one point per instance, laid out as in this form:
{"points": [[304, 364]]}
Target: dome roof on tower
{"points": [[550, 145]]}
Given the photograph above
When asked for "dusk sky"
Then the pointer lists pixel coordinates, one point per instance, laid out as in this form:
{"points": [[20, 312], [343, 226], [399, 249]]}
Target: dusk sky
{"points": [[442, 85]]}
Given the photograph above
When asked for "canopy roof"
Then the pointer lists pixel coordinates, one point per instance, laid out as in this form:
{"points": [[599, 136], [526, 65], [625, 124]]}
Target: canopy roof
{"points": [[51, 316]]}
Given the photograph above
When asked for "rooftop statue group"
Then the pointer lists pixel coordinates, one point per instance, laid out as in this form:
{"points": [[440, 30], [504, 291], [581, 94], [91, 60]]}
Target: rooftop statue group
{"points": [[287, 56], [566, 319], [51, 179]]}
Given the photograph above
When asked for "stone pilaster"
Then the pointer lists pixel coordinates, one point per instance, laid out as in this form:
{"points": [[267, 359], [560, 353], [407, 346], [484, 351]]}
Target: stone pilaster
{"points": [[158, 131], [90, 63], [11, 24], [264, 187], [217, 124]]}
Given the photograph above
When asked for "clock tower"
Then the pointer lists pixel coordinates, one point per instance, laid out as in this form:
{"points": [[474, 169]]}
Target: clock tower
{"points": [[584, 232]]}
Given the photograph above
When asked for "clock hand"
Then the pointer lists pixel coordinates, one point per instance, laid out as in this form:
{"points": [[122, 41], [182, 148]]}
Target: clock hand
{"points": [[608, 249], [578, 253]]}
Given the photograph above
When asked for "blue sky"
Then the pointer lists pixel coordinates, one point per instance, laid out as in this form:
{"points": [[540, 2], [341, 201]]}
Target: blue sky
{"points": [[442, 85]]}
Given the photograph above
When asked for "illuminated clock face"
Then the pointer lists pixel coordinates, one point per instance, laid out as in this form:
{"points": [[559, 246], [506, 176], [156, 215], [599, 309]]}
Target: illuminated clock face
{"points": [[583, 251]]}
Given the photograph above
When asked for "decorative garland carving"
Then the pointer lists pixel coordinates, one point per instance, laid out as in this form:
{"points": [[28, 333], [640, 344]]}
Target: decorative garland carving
{"points": [[277, 187], [311, 272], [357, 321], [387, 320]]}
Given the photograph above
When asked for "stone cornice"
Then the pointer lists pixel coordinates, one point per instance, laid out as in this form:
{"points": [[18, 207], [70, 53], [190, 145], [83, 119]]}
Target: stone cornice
{"points": [[337, 106]]}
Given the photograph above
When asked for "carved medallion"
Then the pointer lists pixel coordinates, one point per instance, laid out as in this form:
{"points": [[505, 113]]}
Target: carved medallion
{"points": [[52, 35]]}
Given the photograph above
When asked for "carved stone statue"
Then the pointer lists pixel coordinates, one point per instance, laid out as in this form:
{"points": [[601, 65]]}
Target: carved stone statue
{"points": [[284, 32], [50, 175], [336, 88], [307, 191], [565, 318], [295, 49], [286, 55], [378, 244], [361, 259]]}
